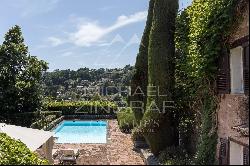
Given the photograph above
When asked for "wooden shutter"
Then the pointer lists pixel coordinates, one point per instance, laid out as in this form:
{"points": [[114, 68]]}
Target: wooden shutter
{"points": [[224, 151], [223, 76], [246, 69], [245, 156]]}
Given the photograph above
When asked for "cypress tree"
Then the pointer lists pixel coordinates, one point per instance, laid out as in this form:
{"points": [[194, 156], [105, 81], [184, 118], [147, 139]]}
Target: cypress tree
{"points": [[139, 81], [158, 121]]}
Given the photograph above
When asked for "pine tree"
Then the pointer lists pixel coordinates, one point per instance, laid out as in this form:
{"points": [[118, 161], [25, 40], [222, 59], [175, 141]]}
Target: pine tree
{"points": [[158, 121], [139, 81]]}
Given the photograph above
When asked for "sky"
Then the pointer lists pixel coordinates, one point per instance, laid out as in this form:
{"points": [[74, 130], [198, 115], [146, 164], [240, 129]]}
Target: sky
{"points": [[71, 34]]}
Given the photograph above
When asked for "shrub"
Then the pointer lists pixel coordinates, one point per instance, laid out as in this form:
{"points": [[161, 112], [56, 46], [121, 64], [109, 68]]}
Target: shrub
{"points": [[23, 119], [126, 119], [175, 156], [136, 134], [84, 107], [43, 119], [14, 152]]}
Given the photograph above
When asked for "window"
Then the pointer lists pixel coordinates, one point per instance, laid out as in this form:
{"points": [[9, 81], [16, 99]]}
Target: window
{"points": [[233, 68], [236, 154], [236, 70]]}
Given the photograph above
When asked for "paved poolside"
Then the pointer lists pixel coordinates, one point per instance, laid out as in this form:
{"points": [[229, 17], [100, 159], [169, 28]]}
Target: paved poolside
{"points": [[118, 150]]}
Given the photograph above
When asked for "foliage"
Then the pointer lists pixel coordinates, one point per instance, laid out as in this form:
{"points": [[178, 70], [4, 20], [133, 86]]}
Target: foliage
{"points": [[44, 118], [28, 118], [175, 156], [201, 35], [126, 119], [83, 107], [161, 68], [79, 85], [14, 152], [20, 75], [136, 134], [139, 81], [23, 119]]}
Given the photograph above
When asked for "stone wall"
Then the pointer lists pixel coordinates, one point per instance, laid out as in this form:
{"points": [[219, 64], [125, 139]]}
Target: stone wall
{"points": [[233, 111]]}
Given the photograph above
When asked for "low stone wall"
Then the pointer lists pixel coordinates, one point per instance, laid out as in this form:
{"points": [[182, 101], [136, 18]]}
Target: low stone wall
{"points": [[53, 124], [87, 117]]}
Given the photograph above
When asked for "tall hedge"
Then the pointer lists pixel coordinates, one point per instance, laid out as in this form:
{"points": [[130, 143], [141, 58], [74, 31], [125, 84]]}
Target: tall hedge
{"points": [[157, 123], [139, 81]]}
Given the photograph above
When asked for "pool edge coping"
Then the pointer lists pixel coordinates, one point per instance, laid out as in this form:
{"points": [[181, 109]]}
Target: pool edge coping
{"points": [[107, 129]]}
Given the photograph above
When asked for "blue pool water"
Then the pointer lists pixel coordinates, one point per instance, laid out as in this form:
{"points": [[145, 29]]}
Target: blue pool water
{"points": [[82, 132]]}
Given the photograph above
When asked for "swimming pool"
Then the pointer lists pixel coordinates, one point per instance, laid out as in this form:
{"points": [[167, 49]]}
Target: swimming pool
{"points": [[81, 132]]}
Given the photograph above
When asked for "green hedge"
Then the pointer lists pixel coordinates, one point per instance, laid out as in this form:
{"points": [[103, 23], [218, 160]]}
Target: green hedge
{"points": [[14, 152], [48, 113], [28, 118], [23, 119], [84, 107], [126, 119]]}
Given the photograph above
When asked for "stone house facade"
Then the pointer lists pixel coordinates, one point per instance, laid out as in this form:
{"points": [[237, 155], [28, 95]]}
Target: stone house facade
{"points": [[233, 88]]}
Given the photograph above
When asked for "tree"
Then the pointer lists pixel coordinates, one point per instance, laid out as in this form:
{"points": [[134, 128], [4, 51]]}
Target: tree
{"points": [[29, 84], [139, 81], [20, 75], [161, 67], [12, 59]]}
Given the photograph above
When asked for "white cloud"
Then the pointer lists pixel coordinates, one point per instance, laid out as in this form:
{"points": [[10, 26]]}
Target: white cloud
{"points": [[66, 54], [89, 33], [54, 41]]}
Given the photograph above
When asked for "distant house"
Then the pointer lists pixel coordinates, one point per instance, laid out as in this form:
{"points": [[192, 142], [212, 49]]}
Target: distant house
{"points": [[36, 140], [233, 88]]}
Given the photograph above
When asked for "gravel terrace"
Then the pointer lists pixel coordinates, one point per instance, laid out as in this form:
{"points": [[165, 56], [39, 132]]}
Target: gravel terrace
{"points": [[117, 151]]}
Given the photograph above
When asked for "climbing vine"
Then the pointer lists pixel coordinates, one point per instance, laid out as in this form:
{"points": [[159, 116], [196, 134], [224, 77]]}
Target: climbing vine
{"points": [[202, 33]]}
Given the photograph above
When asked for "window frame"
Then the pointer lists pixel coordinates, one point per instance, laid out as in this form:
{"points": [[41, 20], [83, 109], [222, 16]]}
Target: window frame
{"points": [[241, 57]]}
